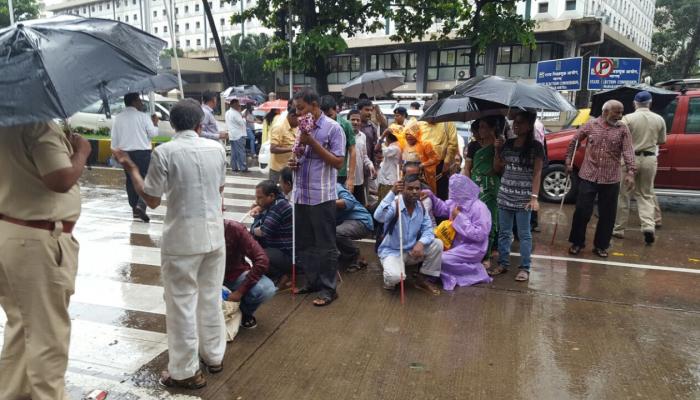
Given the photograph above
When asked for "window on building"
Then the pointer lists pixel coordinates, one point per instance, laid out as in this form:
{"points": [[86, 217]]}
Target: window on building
{"points": [[222, 21], [117, 4], [198, 25], [92, 8], [84, 10], [163, 13], [221, 4], [187, 26], [99, 7], [136, 17], [196, 8], [165, 29], [133, 2], [343, 68], [211, 42], [401, 62], [178, 43], [543, 7], [570, 5], [155, 14], [449, 64], [119, 19], [187, 9], [199, 42], [177, 11], [187, 43], [108, 6], [177, 27], [155, 29], [126, 18]]}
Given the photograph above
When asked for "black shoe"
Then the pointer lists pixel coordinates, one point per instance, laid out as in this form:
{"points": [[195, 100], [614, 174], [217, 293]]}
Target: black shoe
{"points": [[141, 214], [249, 322], [649, 237]]}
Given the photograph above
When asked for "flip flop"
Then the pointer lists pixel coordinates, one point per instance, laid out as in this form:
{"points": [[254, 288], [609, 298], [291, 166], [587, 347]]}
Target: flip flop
{"points": [[327, 300], [523, 275]]}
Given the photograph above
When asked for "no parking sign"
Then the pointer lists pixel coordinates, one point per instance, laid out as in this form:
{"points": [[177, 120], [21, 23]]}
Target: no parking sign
{"points": [[611, 72]]}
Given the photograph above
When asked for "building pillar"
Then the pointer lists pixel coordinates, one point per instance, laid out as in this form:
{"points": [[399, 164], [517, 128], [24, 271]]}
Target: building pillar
{"points": [[490, 59], [422, 55]]}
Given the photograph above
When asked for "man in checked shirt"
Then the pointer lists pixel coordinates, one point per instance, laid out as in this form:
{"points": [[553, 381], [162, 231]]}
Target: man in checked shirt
{"points": [[608, 141]]}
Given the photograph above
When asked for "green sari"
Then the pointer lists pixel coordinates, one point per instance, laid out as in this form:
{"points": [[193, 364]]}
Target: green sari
{"points": [[489, 182]]}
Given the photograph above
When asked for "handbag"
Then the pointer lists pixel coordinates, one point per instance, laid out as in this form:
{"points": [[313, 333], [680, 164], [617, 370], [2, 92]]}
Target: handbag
{"points": [[446, 233]]}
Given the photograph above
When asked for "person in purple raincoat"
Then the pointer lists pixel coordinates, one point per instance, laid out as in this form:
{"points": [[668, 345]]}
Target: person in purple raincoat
{"points": [[471, 220]]}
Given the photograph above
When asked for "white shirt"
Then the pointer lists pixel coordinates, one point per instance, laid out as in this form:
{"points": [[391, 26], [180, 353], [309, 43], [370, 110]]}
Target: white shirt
{"points": [[235, 124], [387, 170], [132, 130], [362, 162], [189, 170]]}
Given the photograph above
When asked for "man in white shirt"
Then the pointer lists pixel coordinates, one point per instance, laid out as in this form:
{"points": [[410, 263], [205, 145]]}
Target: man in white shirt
{"points": [[236, 125], [193, 254], [210, 129], [132, 132]]}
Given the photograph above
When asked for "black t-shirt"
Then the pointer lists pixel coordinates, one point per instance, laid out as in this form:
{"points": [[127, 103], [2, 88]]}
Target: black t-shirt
{"points": [[472, 148]]}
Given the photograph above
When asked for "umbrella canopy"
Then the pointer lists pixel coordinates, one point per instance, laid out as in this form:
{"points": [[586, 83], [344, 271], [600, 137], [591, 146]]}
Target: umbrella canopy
{"points": [[459, 107], [241, 99], [660, 98], [156, 83], [373, 83], [53, 68], [250, 91], [274, 104], [514, 94]]}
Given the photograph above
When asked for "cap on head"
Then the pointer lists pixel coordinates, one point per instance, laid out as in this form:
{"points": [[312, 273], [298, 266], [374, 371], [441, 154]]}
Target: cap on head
{"points": [[642, 97]]}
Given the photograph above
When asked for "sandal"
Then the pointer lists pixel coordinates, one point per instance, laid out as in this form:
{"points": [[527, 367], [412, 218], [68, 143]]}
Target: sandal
{"points": [[575, 249], [523, 275], [496, 270], [324, 300], [600, 252], [425, 285], [304, 290], [192, 383], [356, 266], [249, 322]]}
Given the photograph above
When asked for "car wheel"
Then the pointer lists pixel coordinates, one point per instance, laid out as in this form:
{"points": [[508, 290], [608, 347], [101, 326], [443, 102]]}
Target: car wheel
{"points": [[554, 185]]}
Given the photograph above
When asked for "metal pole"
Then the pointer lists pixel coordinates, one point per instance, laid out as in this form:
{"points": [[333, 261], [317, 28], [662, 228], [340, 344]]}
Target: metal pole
{"points": [[242, 22], [290, 35], [174, 46], [11, 10], [219, 49], [148, 28]]}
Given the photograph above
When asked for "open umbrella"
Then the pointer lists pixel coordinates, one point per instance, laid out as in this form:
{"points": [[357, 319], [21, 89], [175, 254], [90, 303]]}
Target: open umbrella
{"points": [[156, 83], [241, 99], [52, 68], [514, 94], [660, 98], [459, 107], [250, 91], [373, 84], [273, 105]]}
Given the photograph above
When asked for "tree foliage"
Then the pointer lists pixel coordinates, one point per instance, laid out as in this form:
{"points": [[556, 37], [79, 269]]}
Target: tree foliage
{"points": [[481, 22], [246, 56], [318, 26], [23, 10], [677, 39]]}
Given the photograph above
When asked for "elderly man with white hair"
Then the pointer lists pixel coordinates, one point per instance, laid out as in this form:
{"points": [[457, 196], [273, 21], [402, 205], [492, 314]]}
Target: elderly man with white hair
{"points": [[648, 130], [608, 143]]}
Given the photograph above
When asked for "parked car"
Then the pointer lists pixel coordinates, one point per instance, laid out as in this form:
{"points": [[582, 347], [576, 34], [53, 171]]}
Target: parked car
{"points": [[678, 162]]}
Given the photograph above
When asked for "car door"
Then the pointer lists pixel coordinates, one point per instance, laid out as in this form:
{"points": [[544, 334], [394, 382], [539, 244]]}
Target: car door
{"points": [[686, 147], [664, 173]]}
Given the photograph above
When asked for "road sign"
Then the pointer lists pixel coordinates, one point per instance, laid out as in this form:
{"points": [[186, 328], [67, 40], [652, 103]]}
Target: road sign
{"points": [[561, 74], [611, 72]]}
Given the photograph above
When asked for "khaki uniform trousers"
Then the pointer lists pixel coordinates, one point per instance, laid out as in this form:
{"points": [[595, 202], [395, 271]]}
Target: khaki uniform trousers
{"points": [[644, 194], [37, 278]]}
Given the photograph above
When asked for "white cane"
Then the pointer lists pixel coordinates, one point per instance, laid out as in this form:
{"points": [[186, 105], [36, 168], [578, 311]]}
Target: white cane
{"points": [[294, 233], [566, 190], [403, 265]]}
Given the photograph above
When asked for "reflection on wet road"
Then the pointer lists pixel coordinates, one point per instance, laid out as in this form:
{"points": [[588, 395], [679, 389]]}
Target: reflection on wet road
{"points": [[582, 327]]}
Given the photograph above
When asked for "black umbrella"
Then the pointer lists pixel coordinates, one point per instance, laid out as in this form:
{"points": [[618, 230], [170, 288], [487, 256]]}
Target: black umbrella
{"points": [[660, 98], [53, 68], [156, 83], [459, 107], [514, 94]]}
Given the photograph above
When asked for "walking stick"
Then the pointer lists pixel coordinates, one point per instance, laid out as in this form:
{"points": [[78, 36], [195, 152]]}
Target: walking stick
{"points": [[403, 265], [294, 234], [563, 197]]}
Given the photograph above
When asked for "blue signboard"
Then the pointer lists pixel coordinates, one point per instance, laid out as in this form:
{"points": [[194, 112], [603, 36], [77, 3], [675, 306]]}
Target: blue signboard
{"points": [[561, 74], [611, 72]]}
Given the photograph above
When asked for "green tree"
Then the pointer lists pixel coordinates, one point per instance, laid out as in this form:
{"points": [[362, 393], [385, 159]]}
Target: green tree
{"points": [[318, 26], [170, 53], [481, 23], [246, 57], [23, 10], [677, 39]]}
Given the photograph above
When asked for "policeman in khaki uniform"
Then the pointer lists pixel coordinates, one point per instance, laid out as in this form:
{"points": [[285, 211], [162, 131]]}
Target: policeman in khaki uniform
{"points": [[39, 205], [648, 130]]}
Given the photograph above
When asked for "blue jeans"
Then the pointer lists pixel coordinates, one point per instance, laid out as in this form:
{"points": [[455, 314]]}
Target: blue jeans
{"points": [[505, 236], [258, 294], [238, 158], [251, 140]]}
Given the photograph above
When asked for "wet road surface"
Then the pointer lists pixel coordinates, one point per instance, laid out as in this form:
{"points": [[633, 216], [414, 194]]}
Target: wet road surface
{"points": [[581, 328]]}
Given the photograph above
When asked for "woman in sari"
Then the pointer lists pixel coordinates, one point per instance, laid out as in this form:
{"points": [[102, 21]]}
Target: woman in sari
{"points": [[483, 174], [421, 152], [471, 221]]}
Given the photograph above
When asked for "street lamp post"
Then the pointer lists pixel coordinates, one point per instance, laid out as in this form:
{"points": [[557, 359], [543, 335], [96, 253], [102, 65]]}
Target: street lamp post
{"points": [[11, 11]]}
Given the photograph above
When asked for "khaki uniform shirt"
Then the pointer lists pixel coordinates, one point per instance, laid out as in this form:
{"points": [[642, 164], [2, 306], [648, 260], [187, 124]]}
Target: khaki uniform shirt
{"points": [[648, 129], [443, 137], [282, 135], [28, 152]]}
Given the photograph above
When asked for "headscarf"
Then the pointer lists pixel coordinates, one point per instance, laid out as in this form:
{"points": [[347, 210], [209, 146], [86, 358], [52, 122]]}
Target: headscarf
{"points": [[463, 191], [413, 129]]}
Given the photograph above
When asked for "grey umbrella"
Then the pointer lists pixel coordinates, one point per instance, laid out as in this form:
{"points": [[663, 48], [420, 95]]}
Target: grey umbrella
{"points": [[459, 107], [373, 84], [52, 68], [155, 83], [660, 98], [514, 94]]}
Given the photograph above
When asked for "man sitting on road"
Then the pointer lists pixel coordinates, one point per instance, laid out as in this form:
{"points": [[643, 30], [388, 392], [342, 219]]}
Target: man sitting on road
{"points": [[353, 222], [419, 242], [249, 285]]}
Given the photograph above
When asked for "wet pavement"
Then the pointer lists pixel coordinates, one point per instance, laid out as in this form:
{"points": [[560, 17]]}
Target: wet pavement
{"points": [[582, 328]]}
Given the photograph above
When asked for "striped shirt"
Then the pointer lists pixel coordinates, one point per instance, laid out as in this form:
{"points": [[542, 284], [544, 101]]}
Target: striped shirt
{"points": [[316, 179], [276, 226], [516, 183], [606, 146]]}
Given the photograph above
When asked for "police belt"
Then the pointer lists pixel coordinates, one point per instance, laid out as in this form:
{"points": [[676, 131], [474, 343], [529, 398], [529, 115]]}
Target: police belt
{"points": [[45, 225]]}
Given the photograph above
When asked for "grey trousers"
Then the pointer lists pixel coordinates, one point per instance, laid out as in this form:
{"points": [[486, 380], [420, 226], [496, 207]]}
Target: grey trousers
{"points": [[345, 233]]}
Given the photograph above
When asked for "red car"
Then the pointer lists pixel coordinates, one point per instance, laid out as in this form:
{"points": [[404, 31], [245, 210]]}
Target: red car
{"points": [[679, 157]]}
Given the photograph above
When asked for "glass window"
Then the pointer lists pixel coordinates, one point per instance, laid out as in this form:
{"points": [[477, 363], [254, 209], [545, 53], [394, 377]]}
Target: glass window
{"points": [[133, 2], [93, 108], [546, 51], [165, 29], [126, 18], [463, 56], [199, 42], [446, 74], [520, 70], [433, 59], [503, 70], [221, 4], [223, 21], [447, 58], [196, 8], [187, 9], [570, 5], [100, 7], [187, 43], [163, 13], [155, 29], [543, 7], [136, 17], [155, 14], [668, 114], [504, 55], [198, 25], [692, 124], [177, 27], [432, 74], [187, 26], [108, 6], [177, 10]]}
